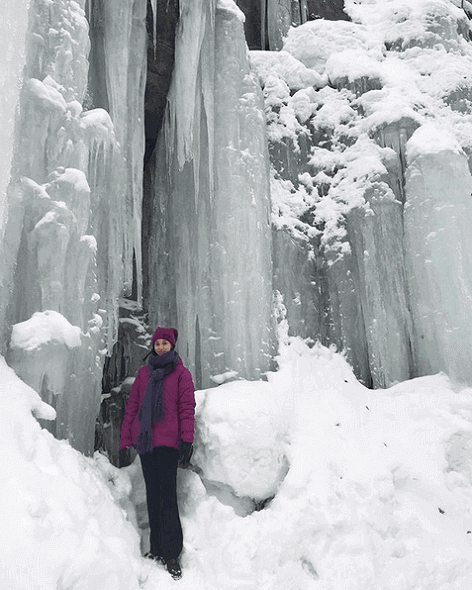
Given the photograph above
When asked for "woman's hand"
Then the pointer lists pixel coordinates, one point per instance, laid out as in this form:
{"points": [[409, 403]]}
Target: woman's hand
{"points": [[185, 454]]}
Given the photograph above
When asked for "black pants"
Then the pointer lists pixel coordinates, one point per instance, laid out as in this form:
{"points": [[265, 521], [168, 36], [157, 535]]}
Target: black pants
{"points": [[160, 475]]}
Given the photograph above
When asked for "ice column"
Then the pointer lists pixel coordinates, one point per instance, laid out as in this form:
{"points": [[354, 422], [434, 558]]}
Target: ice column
{"points": [[376, 236], [438, 227], [123, 31], [210, 253], [279, 20], [13, 27]]}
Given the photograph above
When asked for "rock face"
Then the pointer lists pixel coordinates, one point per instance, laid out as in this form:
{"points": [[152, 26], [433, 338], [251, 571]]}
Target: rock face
{"points": [[328, 9], [267, 21], [161, 23], [129, 354]]}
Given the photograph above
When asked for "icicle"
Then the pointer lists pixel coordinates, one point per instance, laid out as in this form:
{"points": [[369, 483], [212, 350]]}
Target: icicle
{"points": [[186, 86], [304, 14], [263, 23], [154, 25]]}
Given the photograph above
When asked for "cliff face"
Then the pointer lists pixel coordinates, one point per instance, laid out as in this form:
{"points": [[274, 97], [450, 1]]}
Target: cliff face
{"points": [[155, 159]]}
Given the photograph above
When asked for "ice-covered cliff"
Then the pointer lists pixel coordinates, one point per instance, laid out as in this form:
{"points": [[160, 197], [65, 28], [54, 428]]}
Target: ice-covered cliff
{"points": [[369, 128], [327, 179], [209, 245], [71, 214]]}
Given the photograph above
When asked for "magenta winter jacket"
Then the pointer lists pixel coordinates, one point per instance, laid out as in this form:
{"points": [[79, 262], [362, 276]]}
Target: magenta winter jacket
{"points": [[179, 410]]}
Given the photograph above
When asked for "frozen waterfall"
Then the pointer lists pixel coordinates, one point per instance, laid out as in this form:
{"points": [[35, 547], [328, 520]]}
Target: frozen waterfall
{"points": [[330, 175], [209, 250], [70, 222]]}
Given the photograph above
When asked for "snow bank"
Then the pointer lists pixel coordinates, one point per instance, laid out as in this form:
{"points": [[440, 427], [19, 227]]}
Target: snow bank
{"points": [[61, 525], [241, 431], [378, 483]]}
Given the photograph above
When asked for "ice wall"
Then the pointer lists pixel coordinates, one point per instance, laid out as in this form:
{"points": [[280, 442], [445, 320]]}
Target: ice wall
{"points": [[72, 204], [438, 223], [209, 251], [362, 193], [13, 26], [118, 34]]}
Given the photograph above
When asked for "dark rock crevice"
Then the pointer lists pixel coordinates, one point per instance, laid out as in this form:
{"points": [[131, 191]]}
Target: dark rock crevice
{"points": [[264, 16], [160, 64]]}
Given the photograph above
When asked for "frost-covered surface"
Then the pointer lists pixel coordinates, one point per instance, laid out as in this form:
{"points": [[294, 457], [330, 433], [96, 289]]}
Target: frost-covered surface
{"points": [[13, 26], [378, 494], [386, 119]]}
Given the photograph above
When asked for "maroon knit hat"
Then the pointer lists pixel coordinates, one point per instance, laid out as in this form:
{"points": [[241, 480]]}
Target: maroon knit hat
{"points": [[169, 334]]}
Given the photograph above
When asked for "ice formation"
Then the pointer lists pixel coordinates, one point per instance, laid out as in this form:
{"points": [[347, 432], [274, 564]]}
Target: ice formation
{"points": [[302, 174], [346, 189], [365, 240], [211, 228], [71, 223], [438, 220]]}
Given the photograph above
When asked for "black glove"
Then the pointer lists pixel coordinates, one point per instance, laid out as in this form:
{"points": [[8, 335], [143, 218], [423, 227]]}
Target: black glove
{"points": [[185, 453]]}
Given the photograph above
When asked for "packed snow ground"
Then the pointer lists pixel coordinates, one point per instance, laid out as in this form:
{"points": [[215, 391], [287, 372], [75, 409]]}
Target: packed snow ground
{"points": [[372, 489]]}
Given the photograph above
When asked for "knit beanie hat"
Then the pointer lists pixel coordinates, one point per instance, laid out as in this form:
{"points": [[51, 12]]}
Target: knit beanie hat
{"points": [[169, 334]]}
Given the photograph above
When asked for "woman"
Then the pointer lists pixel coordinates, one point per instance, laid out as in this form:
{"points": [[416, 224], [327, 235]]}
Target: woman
{"points": [[159, 421]]}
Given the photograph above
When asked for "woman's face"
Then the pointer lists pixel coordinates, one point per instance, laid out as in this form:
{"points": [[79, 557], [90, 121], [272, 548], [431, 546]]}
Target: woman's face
{"points": [[161, 346]]}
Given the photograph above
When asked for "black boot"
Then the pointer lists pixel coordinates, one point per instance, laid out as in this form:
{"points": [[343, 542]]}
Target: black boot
{"points": [[157, 558], [174, 569]]}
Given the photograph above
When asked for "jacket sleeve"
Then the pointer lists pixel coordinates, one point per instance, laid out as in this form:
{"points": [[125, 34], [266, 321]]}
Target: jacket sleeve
{"points": [[186, 406], [132, 409]]}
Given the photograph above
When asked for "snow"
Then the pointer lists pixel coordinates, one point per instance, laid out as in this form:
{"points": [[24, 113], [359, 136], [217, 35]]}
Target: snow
{"points": [[241, 439], [97, 122], [432, 139], [61, 525], [231, 7], [48, 94], [222, 377], [43, 328], [283, 64], [374, 491], [314, 42]]}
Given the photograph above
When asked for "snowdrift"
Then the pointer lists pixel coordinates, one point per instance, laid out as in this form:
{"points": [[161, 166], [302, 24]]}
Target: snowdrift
{"points": [[375, 492]]}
